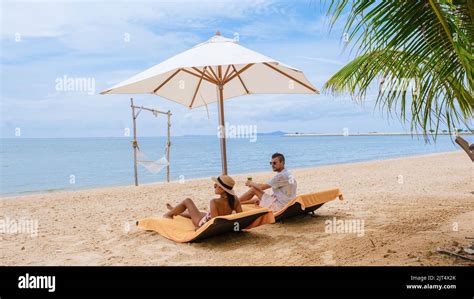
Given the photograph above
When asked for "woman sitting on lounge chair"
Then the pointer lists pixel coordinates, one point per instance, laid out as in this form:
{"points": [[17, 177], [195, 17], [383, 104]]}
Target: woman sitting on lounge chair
{"points": [[224, 205]]}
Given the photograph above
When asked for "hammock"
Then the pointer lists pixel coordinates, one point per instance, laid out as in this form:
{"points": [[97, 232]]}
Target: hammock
{"points": [[152, 166]]}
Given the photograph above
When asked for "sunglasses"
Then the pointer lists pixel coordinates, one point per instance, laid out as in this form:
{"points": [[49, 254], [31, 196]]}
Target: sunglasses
{"points": [[273, 163]]}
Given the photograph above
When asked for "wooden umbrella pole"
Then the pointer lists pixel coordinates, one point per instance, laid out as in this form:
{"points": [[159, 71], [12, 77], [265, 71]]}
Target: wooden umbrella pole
{"points": [[168, 149], [221, 122], [134, 142], [222, 130]]}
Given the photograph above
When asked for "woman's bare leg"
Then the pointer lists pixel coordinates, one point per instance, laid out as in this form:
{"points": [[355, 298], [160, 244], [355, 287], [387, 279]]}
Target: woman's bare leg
{"points": [[184, 214], [189, 205]]}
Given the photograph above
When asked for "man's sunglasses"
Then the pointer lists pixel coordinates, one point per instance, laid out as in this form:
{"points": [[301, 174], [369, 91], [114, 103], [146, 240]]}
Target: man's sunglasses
{"points": [[273, 163]]}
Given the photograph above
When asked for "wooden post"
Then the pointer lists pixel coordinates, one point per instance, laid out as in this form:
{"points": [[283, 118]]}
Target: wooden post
{"points": [[134, 142], [168, 145]]}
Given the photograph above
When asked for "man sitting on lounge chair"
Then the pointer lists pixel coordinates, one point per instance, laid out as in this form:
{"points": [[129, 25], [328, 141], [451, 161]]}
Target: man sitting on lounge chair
{"points": [[283, 185]]}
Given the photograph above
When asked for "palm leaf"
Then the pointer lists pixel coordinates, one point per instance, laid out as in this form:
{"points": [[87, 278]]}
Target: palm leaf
{"points": [[428, 42]]}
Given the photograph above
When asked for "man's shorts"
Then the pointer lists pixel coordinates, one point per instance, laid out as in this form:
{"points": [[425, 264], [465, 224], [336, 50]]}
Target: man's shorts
{"points": [[270, 202]]}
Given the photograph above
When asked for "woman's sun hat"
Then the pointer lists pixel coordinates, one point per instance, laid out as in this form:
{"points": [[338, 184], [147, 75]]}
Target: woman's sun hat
{"points": [[225, 182]]}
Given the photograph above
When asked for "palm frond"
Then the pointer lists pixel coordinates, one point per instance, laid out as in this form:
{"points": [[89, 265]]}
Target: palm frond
{"points": [[428, 42]]}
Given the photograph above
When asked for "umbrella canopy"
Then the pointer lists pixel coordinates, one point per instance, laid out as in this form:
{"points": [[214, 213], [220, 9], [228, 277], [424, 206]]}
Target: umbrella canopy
{"points": [[214, 71]]}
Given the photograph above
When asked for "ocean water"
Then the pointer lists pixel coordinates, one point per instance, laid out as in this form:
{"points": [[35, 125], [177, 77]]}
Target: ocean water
{"points": [[44, 165]]}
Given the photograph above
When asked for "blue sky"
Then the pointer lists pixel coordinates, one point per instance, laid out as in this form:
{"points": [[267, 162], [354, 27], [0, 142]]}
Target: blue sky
{"points": [[110, 41]]}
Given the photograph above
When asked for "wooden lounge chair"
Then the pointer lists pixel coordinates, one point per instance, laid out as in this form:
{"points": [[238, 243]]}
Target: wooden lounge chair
{"points": [[307, 203], [181, 229], [303, 204]]}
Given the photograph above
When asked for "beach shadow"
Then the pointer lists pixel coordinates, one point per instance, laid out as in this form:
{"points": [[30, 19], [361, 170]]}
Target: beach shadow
{"points": [[308, 219], [266, 236]]}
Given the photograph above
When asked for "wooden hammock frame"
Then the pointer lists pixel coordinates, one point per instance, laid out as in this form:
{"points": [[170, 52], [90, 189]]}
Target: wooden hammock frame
{"points": [[135, 143]]}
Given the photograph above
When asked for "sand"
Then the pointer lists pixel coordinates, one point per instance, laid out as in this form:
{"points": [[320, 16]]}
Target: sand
{"points": [[409, 207]]}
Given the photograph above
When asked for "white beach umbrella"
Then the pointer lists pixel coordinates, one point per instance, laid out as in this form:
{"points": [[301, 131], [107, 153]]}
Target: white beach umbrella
{"points": [[214, 71]]}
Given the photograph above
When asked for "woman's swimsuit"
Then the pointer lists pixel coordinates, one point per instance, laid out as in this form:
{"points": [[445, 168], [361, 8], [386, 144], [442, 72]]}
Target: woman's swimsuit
{"points": [[205, 219]]}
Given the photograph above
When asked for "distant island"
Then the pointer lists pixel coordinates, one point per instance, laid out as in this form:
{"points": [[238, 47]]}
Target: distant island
{"points": [[276, 133], [300, 134], [297, 134]]}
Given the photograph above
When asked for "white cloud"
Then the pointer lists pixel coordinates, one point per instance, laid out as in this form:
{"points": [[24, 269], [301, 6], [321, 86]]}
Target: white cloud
{"points": [[56, 18], [86, 39]]}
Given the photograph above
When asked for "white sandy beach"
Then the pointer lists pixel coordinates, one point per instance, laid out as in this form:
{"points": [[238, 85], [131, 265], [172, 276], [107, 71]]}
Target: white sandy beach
{"points": [[405, 220]]}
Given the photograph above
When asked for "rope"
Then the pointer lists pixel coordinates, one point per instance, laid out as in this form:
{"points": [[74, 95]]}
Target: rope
{"points": [[205, 104], [135, 144]]}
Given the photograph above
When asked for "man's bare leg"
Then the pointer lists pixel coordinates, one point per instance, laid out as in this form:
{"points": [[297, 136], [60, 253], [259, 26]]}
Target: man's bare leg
{"points": [[259, 193], [254, 200], [248, 197], [253, 196]]}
